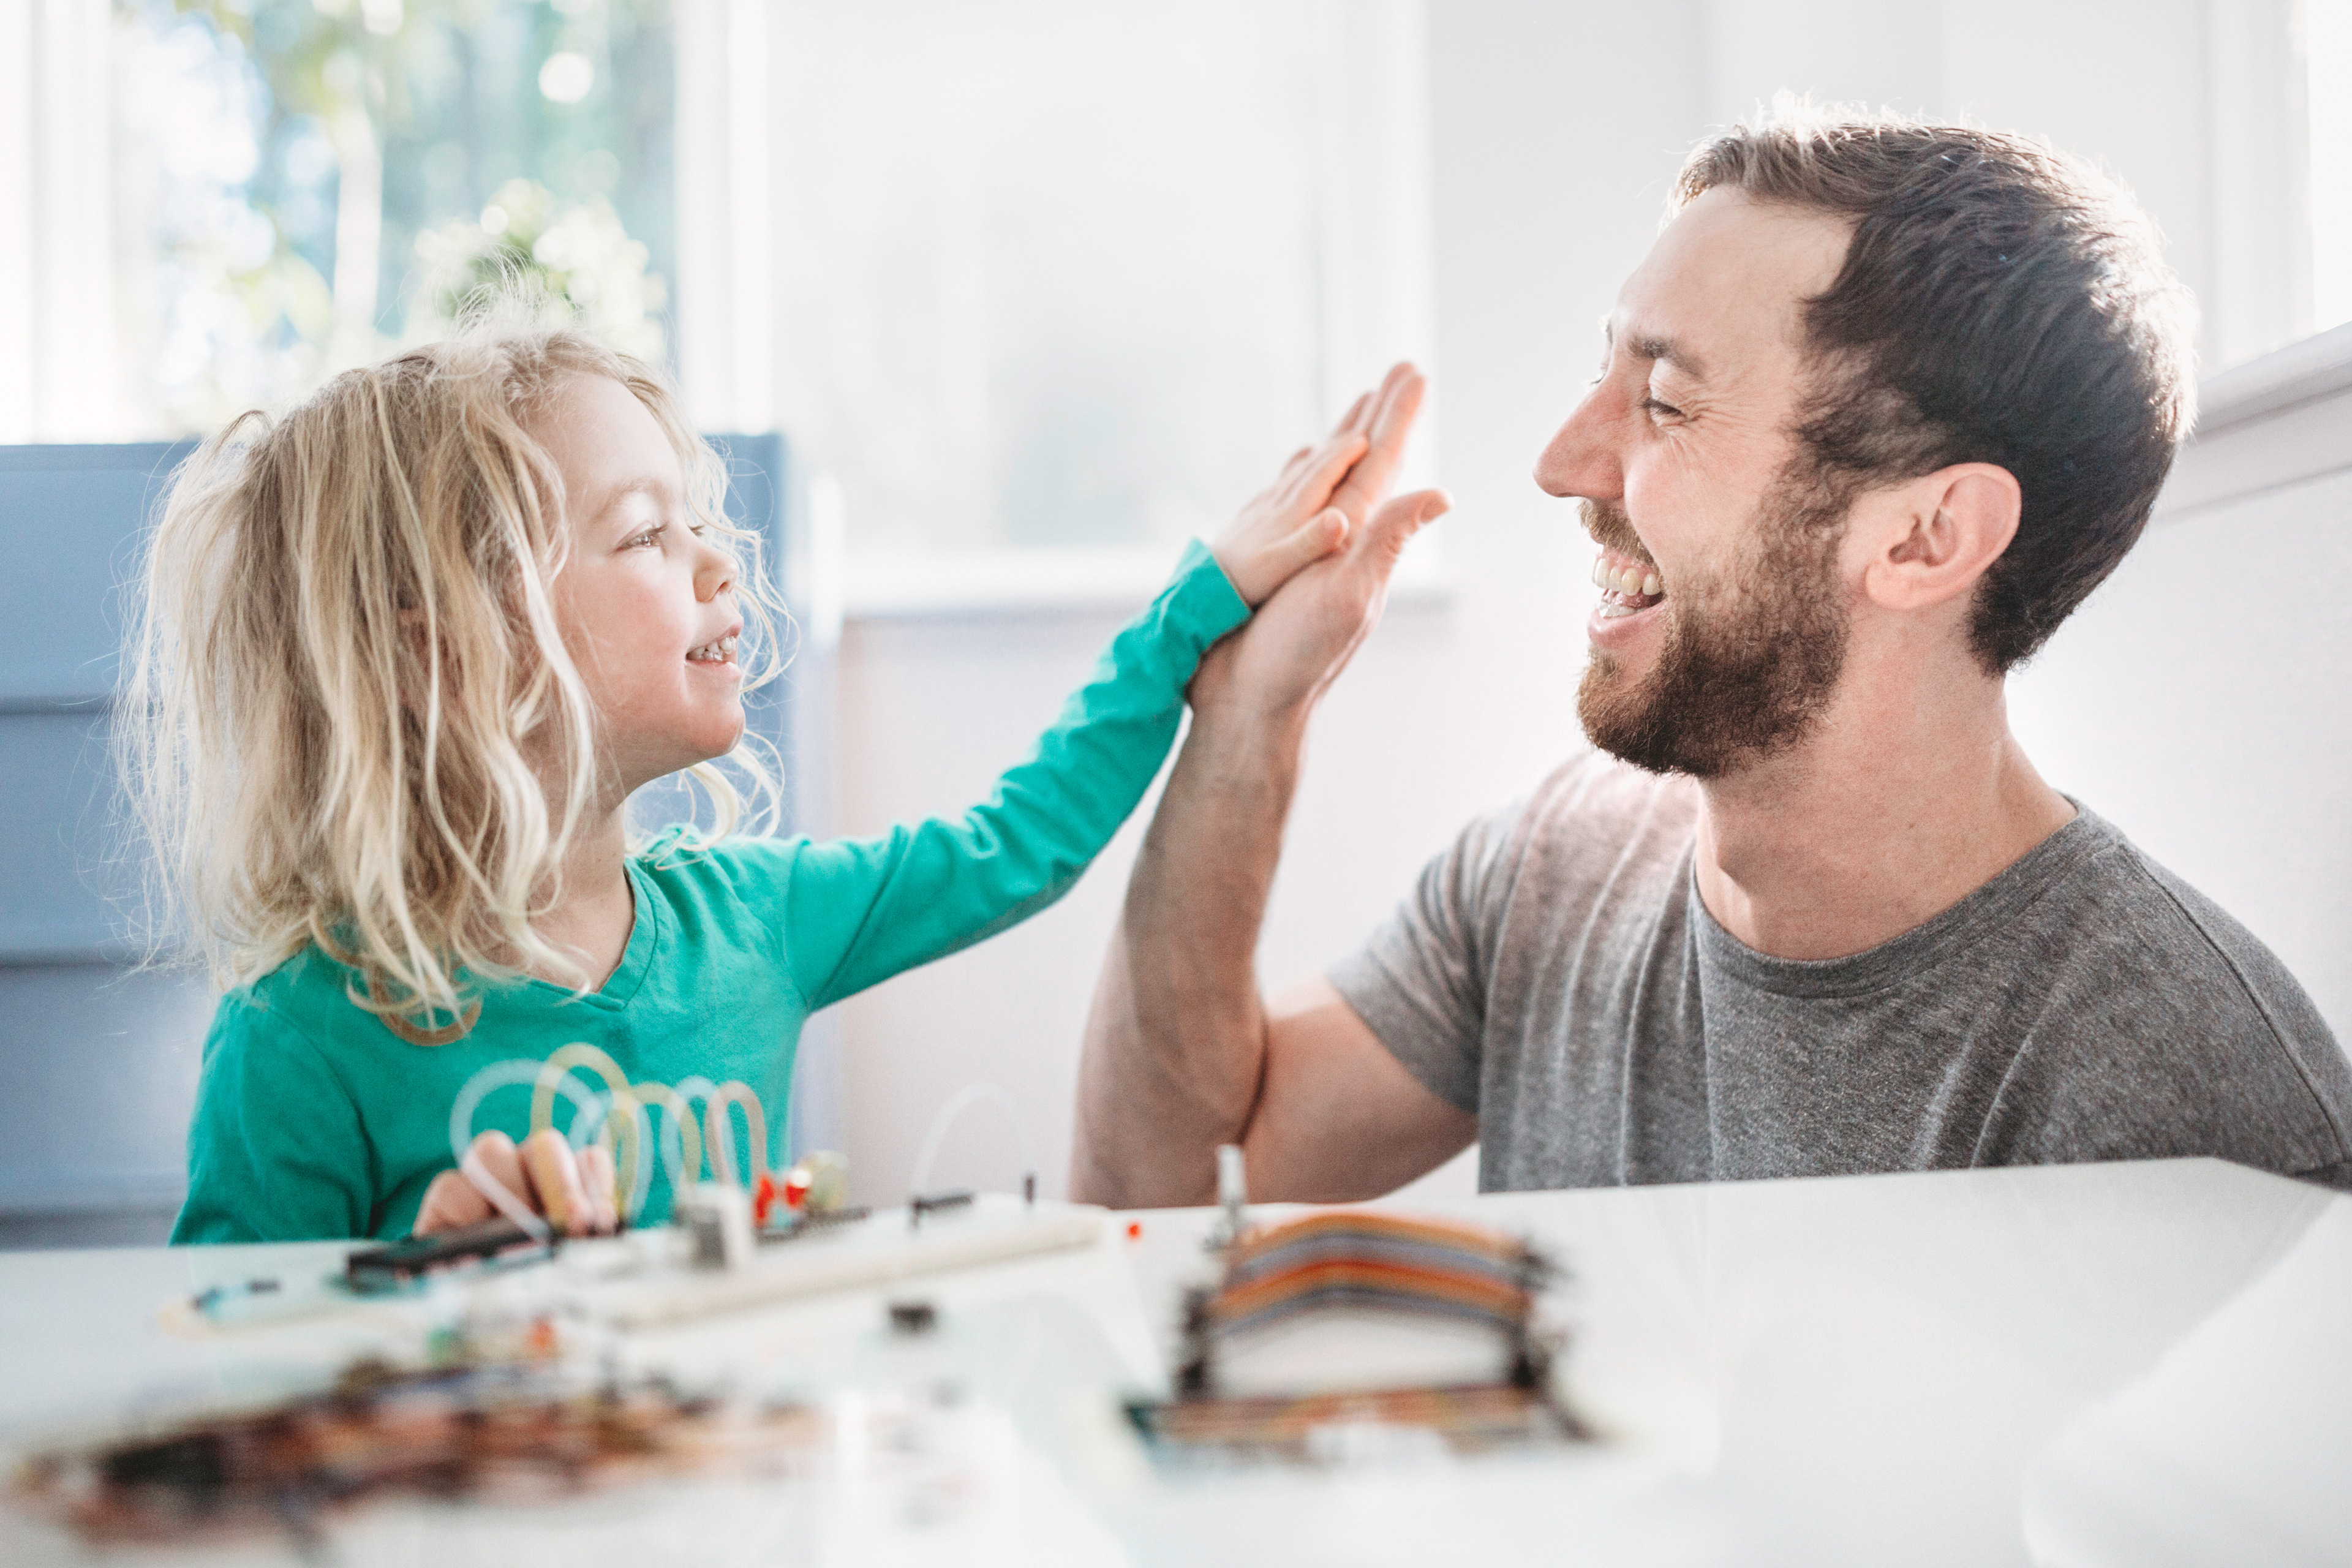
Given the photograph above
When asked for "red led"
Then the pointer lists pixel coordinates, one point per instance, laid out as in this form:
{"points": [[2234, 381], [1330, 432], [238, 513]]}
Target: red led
{"points": [[1135, 1230]]}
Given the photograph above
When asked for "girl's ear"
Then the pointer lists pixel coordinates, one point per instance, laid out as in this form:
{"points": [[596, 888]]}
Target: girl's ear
{"points": [[1940, 534]]}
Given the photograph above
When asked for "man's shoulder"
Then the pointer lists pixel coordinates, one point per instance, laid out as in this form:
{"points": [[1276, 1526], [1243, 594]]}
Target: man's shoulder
{"points": [[1593, 817], [2162, 1011], [1595, 846], [2121, 909]]}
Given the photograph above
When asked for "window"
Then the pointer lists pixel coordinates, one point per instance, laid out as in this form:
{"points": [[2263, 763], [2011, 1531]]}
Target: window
{"points": [[1047, 286], [231, 199]]}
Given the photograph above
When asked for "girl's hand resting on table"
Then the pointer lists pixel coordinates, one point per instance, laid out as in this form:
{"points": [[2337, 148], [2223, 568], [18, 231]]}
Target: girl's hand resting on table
{"points": [[1305, 514], [574, 1190]]}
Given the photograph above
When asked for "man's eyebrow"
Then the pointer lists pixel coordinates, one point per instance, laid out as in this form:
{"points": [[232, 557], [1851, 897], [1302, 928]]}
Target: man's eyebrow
{"points": [[1651, 346]]}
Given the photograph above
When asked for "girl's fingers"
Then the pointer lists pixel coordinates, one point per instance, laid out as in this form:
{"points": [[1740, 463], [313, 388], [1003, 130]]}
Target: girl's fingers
{"points": [[1256, 570], [450, 1204], [1354, 419], [1391, 422], [1311, 487], [494, 1153], [603, 1188], [555, 1178]]}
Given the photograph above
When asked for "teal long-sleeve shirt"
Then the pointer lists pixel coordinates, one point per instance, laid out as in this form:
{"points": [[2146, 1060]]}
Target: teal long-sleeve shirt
{"points": [[314, 1121]]}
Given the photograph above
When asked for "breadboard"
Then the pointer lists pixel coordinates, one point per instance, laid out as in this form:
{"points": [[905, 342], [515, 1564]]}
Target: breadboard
{"points": [[883, 1250]]}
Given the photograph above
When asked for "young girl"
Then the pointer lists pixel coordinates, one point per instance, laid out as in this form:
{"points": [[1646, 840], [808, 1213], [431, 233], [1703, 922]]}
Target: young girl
{"points": [[405, 654]]}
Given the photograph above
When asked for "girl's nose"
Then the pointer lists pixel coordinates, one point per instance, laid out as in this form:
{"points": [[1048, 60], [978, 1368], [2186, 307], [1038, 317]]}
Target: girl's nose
{"points": [[714, 573]]}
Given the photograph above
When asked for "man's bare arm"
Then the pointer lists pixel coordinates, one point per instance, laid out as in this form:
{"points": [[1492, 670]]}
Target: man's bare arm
{"points": [[1180, 1053], [1340, 1118], [1175, 1049]]}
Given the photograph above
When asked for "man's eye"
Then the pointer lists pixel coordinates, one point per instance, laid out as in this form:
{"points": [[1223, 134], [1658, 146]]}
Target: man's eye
{"points": [[1662, 410]]}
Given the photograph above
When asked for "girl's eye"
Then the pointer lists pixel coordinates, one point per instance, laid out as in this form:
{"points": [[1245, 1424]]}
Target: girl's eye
{"points": [[650, 536]]}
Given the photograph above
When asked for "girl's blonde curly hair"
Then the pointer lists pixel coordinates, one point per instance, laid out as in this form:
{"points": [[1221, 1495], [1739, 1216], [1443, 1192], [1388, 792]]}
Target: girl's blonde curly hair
{"points": [[350, 719]]}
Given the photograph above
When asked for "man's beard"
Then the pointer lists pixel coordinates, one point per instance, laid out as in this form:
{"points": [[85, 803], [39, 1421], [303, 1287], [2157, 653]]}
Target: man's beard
{"points": [[1748, 661]]}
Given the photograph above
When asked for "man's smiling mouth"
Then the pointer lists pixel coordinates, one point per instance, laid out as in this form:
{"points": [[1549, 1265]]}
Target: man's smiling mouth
{"points": [[1627, 585]]}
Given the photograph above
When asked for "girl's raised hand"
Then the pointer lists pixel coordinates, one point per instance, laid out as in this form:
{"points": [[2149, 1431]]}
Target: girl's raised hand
{"points": [[1323, 494]]}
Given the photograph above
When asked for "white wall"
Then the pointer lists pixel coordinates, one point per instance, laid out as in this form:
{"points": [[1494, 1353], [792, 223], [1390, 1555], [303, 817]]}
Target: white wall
{"points": [[2189, 102], [1555, 129], [2209, 722]]}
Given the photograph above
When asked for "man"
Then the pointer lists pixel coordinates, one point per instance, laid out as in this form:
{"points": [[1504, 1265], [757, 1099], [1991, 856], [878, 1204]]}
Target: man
{"points": [[1883, 405]]}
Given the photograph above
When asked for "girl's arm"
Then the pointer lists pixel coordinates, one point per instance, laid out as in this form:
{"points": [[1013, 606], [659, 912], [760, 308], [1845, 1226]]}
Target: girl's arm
{"points": [[858, 912]]}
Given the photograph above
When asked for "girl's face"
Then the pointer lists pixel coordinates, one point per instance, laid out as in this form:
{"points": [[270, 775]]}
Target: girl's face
{"points": [[645, 607]]}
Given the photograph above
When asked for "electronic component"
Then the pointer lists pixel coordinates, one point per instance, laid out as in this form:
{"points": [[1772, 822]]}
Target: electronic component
{"points": [[918, 1206], [717, 1218], [1322, 1309], [400, 1262], [507, 1428], [794, 1227], [1232, 1197]]}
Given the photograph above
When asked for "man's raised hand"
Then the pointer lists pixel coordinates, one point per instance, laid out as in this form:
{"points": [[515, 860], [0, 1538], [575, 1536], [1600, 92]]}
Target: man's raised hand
{"points": [[1297, 645], [1179, 1042], [1323, 495]]}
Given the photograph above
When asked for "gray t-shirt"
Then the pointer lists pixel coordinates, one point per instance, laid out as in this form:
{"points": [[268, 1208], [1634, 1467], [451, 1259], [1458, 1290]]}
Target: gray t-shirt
{"points": [[1556, 973]]}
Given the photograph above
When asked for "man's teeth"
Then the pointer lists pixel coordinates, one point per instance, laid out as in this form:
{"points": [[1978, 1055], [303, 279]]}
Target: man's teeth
{"points": [[1633, 582], [720, 652]]}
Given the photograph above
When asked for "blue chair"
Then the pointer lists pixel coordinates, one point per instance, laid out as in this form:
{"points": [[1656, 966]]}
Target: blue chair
{"points": [[98, 1060]]}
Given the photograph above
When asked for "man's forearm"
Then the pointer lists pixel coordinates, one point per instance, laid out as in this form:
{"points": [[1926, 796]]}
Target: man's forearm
{"points": [[1175, 1045]]}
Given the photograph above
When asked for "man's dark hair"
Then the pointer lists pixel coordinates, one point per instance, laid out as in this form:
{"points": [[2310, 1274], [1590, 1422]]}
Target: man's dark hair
{"points": [[1999, 303]]}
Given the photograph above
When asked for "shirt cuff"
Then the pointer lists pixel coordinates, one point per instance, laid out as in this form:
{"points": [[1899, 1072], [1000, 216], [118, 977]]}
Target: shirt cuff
{"points": [[1200, 598]]}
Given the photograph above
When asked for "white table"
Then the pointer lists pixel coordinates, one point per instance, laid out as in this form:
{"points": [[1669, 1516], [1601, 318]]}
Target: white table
{"points": [[2144, 1364]]}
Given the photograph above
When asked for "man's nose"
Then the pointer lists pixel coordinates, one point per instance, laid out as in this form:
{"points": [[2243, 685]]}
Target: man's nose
{"points": [[1583, 458]]}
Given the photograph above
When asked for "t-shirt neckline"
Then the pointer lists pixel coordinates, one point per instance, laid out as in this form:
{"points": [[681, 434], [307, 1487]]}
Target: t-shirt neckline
{"points": [[637, 957], [1993, 904]]}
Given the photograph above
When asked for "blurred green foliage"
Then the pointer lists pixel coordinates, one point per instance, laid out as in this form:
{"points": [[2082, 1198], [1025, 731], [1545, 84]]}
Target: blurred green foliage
{"points": [[577, 262], [437, 135]]}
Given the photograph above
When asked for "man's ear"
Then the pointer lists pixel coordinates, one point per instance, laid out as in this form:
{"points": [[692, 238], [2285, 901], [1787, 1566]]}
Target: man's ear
{"points": [[1938, 533]]}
